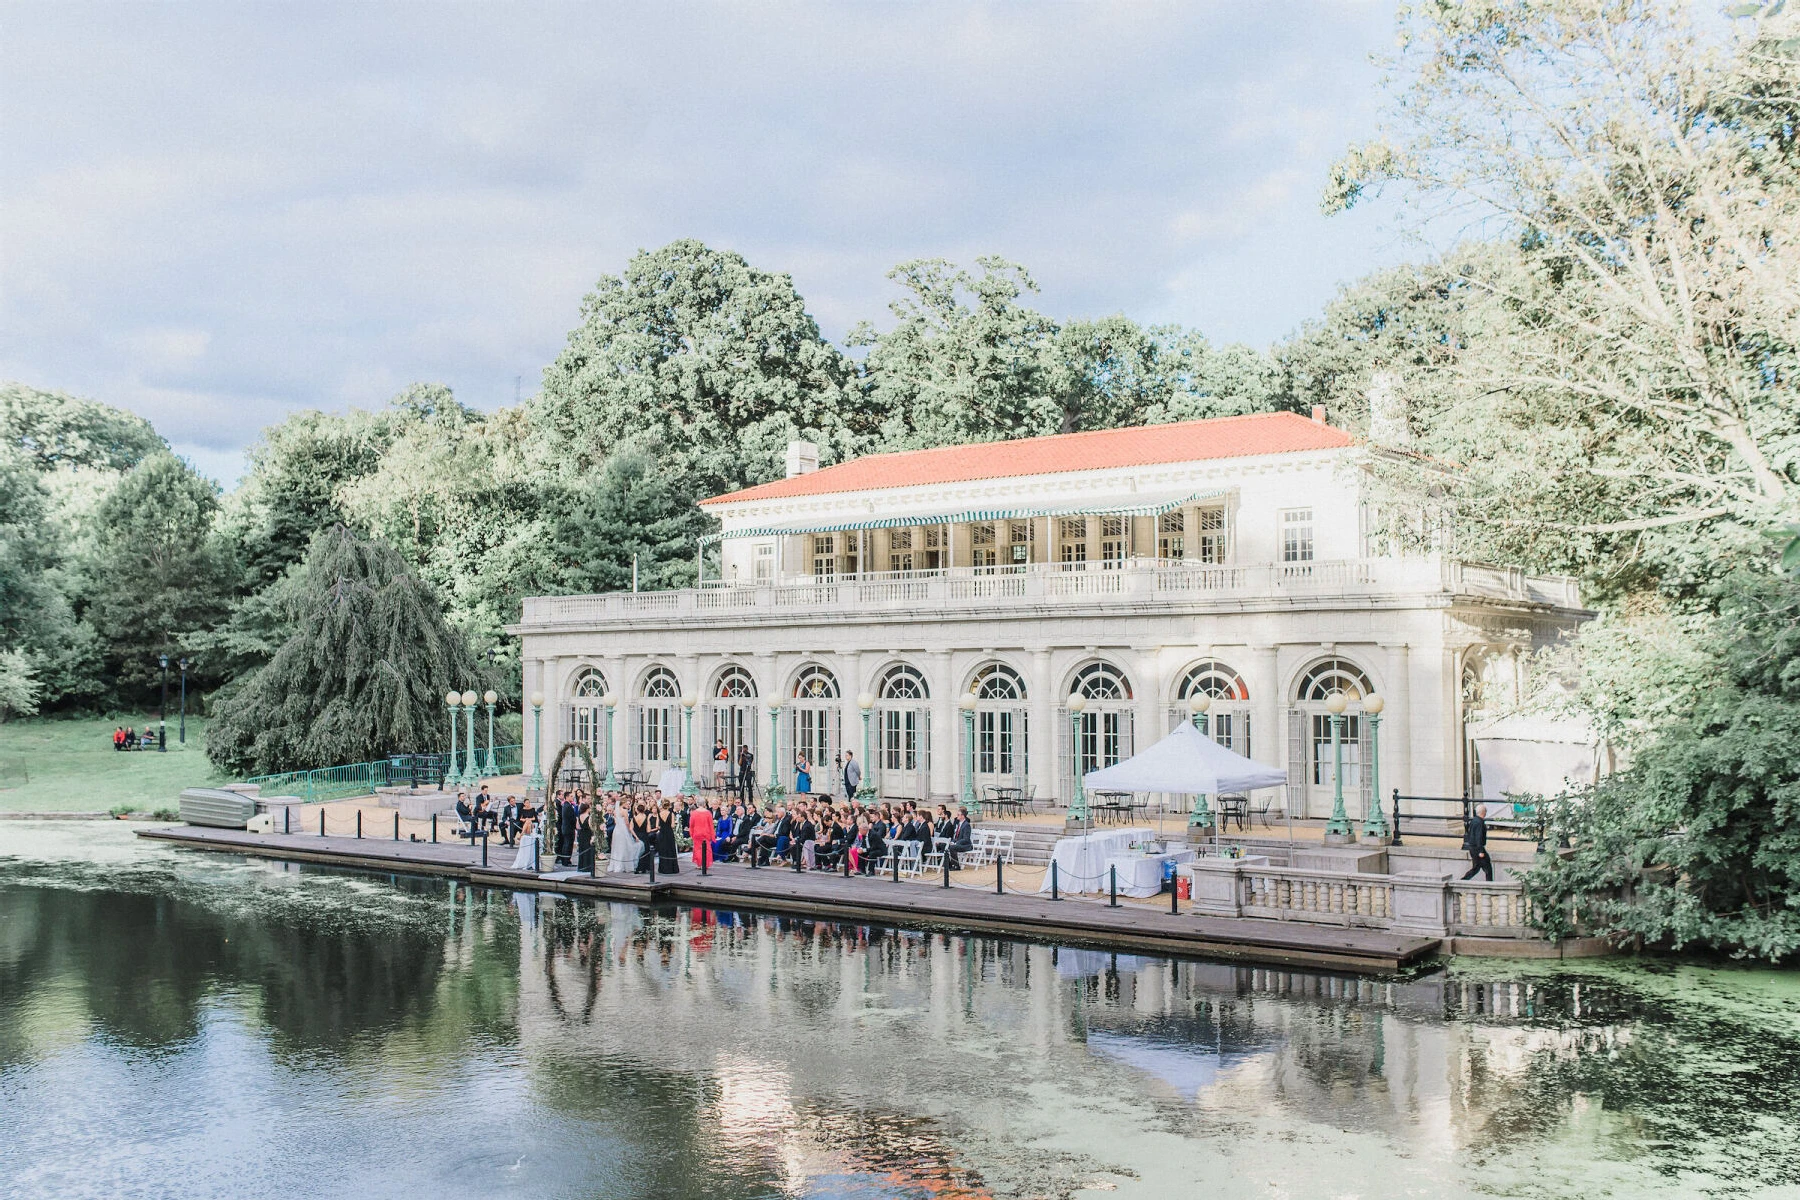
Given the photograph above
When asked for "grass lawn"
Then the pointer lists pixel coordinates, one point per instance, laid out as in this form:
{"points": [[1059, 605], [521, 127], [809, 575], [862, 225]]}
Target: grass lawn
{"points": [[73, 767]]}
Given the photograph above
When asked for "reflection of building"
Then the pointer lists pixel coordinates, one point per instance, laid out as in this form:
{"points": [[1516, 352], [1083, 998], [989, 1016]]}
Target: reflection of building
{"points": [[1240, 557]]}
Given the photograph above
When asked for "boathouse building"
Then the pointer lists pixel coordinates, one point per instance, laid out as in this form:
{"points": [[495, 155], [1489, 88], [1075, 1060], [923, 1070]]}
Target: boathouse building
{"points": [[1241, 557]]}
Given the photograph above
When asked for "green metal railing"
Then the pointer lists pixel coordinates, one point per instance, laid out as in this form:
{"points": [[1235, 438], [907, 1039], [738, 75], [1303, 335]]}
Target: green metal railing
{"points": [[361, 779]]}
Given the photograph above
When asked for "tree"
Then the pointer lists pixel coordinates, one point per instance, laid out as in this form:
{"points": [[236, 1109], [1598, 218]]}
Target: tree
{"points": [[158, 575], [1640, 327], [1698, 841], [630, 510], [362, 676], [717, 359], [58, 430]]}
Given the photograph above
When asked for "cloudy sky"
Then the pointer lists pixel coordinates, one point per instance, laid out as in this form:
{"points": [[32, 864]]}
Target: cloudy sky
{"points": [[217, 214]]}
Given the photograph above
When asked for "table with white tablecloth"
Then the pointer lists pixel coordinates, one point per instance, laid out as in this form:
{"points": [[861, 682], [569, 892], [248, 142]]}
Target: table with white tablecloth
{"points": [[1081, 861], [1142, 874]]}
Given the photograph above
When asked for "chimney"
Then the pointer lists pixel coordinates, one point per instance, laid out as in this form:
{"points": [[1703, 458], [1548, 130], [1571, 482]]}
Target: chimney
{"points": [[802, 459], [1318, 414], [1387, 411]]}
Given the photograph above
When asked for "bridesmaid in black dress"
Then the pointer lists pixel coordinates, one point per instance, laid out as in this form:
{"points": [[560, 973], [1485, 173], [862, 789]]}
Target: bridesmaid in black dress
{"points": [[584, 838], [668, 861], [644, 828]]}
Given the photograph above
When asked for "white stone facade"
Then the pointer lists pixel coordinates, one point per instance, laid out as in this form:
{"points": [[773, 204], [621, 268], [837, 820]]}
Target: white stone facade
{"points": [[1251, 577]]}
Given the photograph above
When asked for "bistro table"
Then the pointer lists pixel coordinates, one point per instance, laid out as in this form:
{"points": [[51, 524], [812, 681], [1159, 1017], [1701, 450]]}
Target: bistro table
{"points": [[1234, 808], [1119, 805], [1004, 796]]}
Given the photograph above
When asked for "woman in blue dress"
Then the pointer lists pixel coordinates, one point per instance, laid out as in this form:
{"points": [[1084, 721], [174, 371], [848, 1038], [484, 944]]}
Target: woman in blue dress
{"points": [[802, 774]]}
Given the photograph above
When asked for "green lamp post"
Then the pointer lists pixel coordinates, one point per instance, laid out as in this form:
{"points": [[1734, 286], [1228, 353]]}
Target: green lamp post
{"points": [[536, 783], [471, 772], [688, 787], [866, 794], [1337, 829], [1078, 805], [452, 776], [1374, 826], [609, 702], [1202, 817], [773, 791], [967, 705], [490, 698]]}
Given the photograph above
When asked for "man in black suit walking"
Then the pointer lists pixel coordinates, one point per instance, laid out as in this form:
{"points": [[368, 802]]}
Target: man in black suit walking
{"points": [[1475, 842]]}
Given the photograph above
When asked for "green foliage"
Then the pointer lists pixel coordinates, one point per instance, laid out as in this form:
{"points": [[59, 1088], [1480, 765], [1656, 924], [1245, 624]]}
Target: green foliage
{"points": [[362, 675], [18, 685], [57, 430], [158, 574], [629, 508], [1697, 842]]}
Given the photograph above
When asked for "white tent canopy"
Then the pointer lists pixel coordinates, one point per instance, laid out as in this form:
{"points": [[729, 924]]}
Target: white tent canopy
{"points": [[1187, 762]]}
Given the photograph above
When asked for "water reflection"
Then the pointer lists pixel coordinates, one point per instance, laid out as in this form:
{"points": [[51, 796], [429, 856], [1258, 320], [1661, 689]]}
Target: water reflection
{"points": [[160, 1011]]}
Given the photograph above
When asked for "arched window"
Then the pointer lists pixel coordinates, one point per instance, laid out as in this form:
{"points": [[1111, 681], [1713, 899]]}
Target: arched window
{"points": [[1101, 681], [816, 683], [1213, 679], [997, 681], [735, 684], [904, 683], [1333, 675], [660, 684], [590, 684]]}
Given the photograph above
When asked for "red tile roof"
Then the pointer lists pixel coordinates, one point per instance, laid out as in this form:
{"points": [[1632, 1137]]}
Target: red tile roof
{"points": [[1139, 446]]}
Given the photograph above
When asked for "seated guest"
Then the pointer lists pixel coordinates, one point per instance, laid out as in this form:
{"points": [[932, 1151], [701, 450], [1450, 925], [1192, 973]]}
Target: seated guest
{"points": [[871, 847], [772, 838], [962, 840], [829, 849], [801, 835], [466, 815]]}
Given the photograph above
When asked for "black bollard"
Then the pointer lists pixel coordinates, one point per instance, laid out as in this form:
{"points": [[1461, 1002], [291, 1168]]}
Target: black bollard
{"points": [[1053, 894], [1113, 887], [705, 854], [396, 825], [359, 824], [946, 866], [894, 853], [999, 875], [287, 818], [1173, 897], [652, 866], [321, 822], [484, 841], [536, 863], [434, 829], [846, 854]]}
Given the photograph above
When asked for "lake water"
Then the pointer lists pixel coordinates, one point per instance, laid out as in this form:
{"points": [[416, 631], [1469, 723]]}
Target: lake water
{"points": [[174, 1023]]}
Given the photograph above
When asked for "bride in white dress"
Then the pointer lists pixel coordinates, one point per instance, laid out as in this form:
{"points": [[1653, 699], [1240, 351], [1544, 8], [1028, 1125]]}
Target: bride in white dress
{"points": [[526, 859], [625, 848]]}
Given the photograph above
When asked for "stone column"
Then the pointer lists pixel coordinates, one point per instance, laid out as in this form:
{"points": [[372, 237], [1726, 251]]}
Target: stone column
{"points": [[1397, 724], [1268, 730], [946, 732], [1040, 695]]}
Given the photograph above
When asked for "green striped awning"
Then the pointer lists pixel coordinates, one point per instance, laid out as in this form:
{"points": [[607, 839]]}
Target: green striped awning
{"points": [[1149, 506]]}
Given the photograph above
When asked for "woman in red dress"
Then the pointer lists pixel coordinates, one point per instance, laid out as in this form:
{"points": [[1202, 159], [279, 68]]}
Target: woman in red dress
{"points": [[700, 829]]}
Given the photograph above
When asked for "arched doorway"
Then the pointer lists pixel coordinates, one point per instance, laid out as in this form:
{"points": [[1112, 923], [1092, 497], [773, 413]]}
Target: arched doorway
{"points": [[730, 718], [903, 722], [655, 724], [1105, 730], [814, 718], [1311, 770], [1227, 716], [1002, 734], [587, 713]]}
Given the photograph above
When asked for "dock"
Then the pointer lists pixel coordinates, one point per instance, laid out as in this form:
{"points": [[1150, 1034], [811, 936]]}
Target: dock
{"points": [[966, 906]]}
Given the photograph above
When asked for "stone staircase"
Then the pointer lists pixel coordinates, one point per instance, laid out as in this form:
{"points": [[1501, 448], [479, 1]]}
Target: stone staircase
{"points": [[1031, 843]]}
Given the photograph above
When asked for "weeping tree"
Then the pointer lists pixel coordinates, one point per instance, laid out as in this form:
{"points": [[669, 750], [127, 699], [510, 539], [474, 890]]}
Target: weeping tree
{"points": [[363, 674]]}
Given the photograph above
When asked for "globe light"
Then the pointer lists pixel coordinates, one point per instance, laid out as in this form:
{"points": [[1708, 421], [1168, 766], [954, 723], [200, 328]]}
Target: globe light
{"points": [[967, 704], [1335, 703], [774, 702], [489, 696], [453, 698], [610, 700], [1373, 704], [1077, 702], [689, 700], [537, 699], [866, 701], [469, 697], [1199, 702]]}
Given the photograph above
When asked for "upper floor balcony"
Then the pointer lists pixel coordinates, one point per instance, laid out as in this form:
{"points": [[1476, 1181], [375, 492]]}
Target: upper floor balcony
{"points": [[1131, 584]]}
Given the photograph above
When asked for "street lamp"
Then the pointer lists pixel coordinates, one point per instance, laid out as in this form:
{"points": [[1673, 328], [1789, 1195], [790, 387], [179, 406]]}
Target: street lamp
{"points": [[488, 698], [453, 777], [609, 702], [183, 664], [687, 704], [536, 783], [774, 791], [162, 714], [1337, 830], [1198, 703], [1375, 826], [471, 775], [865, 794], [1078, 807], [967, 704]]}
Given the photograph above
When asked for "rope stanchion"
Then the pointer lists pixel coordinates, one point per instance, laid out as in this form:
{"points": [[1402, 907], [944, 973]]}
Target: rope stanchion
{"points": [[359, 824], [946, 866], [1174, 898], [396, 825], [321, 822], [484, 842], [894, 856], [652, 861], [287, 818], [1113, 887], [999, 875], [434, 829], [1053, 881], [705, 854]]}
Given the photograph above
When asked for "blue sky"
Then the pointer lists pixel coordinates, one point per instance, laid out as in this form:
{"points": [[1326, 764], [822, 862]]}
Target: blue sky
{"points": [[218, 214]]}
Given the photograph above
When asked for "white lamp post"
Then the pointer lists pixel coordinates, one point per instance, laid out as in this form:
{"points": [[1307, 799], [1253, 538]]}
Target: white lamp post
{"points": [[1198, 703], [774, 791], [1078, 806], [609, 702], [967, 705], [687, 705], [1337, 829], [1375, 826], [471, 773], [452, 776], [489, 698], [865, 794], [536, 783]]}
